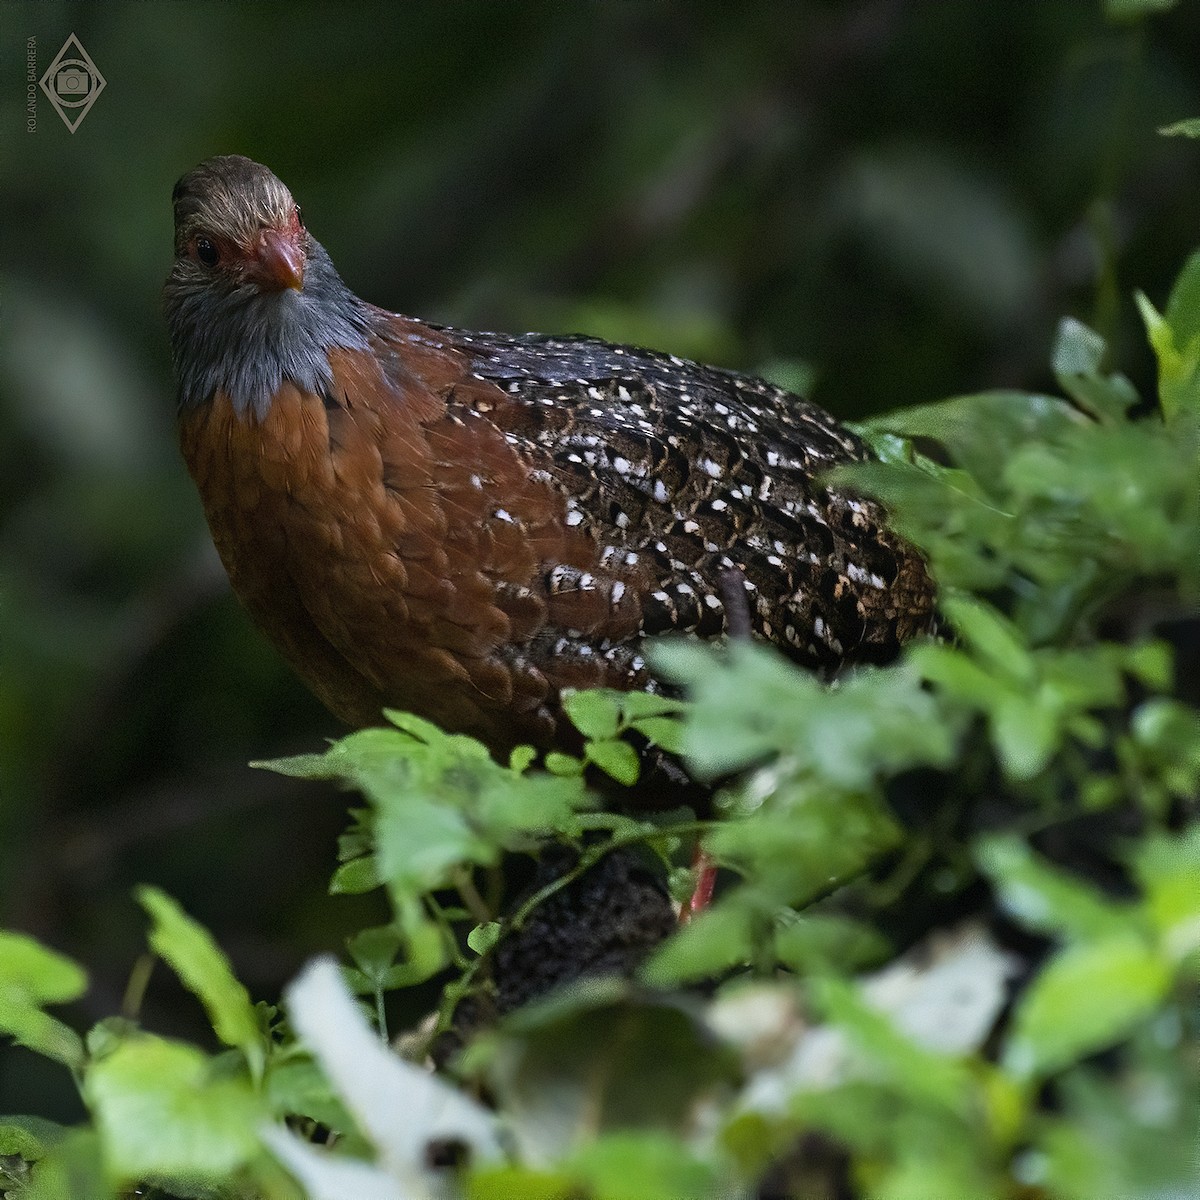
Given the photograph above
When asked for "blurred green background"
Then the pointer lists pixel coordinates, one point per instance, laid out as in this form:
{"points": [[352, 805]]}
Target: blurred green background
{"points": [[888, 200]]}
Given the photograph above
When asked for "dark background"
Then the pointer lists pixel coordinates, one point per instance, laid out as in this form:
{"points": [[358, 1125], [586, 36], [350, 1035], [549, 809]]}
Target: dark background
{"points": [[893, 201]]}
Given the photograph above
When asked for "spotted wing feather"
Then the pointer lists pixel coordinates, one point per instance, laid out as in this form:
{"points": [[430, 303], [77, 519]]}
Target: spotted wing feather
{"points": [[693, 476]]}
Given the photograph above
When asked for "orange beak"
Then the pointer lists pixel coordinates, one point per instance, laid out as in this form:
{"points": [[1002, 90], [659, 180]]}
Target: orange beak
{"points": [[280, 260]]}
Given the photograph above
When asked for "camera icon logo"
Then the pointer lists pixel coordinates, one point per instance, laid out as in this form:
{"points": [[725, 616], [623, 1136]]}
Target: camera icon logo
{"points": [[72, 83]]}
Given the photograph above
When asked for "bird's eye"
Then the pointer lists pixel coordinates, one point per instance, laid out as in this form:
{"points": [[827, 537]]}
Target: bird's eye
{"points": [[206, 252]]}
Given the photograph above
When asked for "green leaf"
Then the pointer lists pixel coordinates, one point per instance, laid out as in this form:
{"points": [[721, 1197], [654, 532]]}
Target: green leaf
{"points": [[32, 976], [596, 714], [355, 877], [1078, 350], [718, 938], [424, 954], [483, 937], [298, 766], [1046, 899], [664, 732], [421, 730], [510, 1181], [1132, 10], [636, 1165], [1033, 699], [72, 1168], [41, 976], [161, 1109], [926, 1171], [1077, 680], [420, 842], [1168, 869], [374, 952], [193, 955], [521, 759], [1170, 361], [617, 759], [1183, 306], [1077, 360], [970, 428], [958, 673], [1085, 998], [637, 706], [1186, 128], [1151, 663], [296, 1087], [1176, 342], [994, 639], [38, 1031], [566, 766], [812, 941], [1025, 734], [1166, 735], [28, 1137]]}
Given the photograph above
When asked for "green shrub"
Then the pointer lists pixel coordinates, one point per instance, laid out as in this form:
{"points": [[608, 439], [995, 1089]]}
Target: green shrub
{"points": [[959, 947]]}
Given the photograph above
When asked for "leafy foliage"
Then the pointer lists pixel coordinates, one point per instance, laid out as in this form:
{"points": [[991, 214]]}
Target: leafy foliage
{"points": [[935, 786]]}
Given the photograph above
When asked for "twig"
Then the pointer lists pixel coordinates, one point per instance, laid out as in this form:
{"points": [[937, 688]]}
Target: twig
{"points": [[464, 883]]}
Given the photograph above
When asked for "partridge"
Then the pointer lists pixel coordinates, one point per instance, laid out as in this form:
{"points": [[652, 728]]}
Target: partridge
{"points": [[462, 524]]}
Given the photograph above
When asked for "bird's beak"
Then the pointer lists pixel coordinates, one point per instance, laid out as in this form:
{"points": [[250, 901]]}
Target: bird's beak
{"points": [[280, 260]]}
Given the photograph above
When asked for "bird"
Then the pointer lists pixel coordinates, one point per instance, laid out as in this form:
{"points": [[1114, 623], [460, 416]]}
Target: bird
{"points": [[464, 525]]}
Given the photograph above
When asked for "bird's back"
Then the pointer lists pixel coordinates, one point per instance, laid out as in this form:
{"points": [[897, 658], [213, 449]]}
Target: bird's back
{"points": [[707, 476]]}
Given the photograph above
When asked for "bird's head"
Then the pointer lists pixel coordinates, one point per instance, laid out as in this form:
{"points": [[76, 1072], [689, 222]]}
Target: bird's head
{"points": [[252, 299], [237, 225]]}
